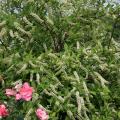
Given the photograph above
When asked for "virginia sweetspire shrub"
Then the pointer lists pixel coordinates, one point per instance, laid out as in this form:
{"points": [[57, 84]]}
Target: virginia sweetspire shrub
{"points": [[61, 55]]}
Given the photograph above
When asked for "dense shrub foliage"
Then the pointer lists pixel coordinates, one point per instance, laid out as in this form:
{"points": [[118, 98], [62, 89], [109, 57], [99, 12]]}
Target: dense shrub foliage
{"points": [[59, 60]]}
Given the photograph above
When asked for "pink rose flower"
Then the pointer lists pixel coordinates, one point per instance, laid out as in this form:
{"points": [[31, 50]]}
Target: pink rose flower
{"points": [[26, 92], [17, 96], [3, 111], [42, 114], [20, 91], [10, 92]]}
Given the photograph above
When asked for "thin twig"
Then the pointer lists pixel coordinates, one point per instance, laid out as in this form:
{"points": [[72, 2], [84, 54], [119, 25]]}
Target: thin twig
{"points": [[112, 32]]}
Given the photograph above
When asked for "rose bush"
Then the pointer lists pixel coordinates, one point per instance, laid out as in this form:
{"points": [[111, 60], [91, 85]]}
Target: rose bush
{"points": [[22, 92]]}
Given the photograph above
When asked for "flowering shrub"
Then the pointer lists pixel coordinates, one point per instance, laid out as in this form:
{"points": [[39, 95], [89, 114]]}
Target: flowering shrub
{"points": [[61, 86], [59, 60]]}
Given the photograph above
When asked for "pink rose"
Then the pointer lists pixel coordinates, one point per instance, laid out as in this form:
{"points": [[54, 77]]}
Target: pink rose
{"points": [[10, 92], [17, 96], [42, 114], [23, 92], [26, 92], [3, 111]]}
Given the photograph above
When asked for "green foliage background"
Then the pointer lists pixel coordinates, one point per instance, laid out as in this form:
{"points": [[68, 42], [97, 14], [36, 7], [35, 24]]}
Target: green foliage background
{"points": [[68, 51]]}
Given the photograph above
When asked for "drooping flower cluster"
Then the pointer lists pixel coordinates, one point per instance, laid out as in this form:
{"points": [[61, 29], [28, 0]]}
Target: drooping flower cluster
{"points": [[23, 92], [3, 111]]}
